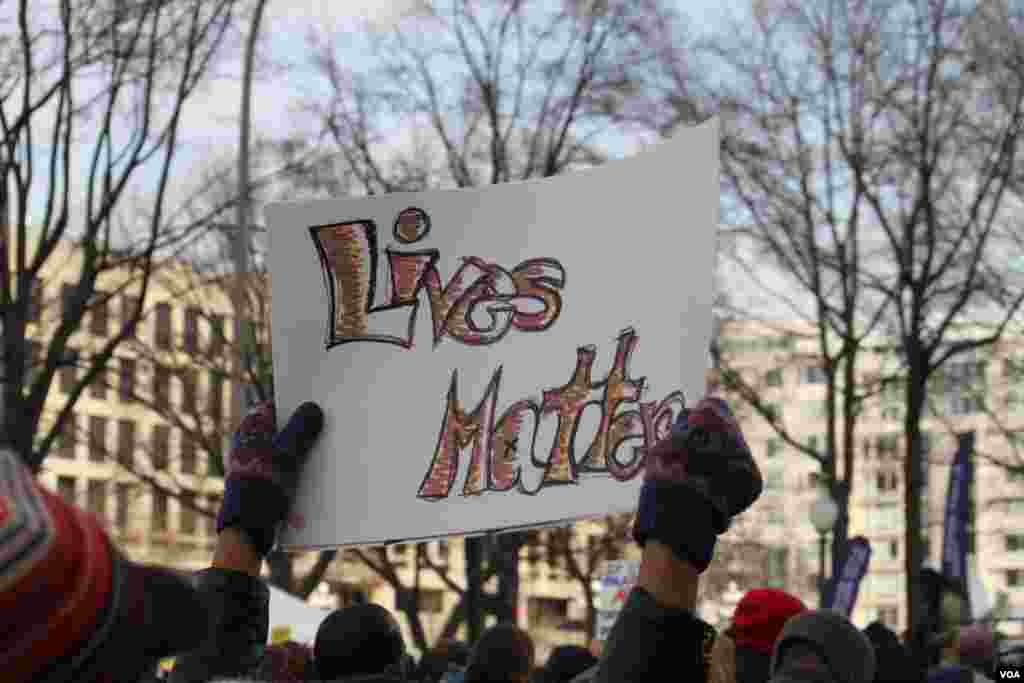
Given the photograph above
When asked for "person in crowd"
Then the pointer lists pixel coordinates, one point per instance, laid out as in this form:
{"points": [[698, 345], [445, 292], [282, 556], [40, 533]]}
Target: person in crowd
{"points": [[355, 643], [504, 654], [565, 663], [978, 650], [756, 625], [942, 609], [74, 609], [91, 617], [447, 655], [893, 661]]}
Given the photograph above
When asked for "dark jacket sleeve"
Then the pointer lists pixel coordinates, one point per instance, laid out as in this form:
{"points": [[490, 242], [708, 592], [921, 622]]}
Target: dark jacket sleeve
{"points": [[649, 640], [240, 614]]}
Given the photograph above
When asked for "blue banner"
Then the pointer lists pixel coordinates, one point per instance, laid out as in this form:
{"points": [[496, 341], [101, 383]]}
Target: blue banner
{"points": [[954, 533], [847, 585]]}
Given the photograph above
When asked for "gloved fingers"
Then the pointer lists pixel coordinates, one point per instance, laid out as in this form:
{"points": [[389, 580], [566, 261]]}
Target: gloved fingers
{"points": [[293, 443]]}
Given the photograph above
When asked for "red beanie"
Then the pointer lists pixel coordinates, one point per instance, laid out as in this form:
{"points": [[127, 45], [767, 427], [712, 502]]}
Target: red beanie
{"points": [[760, 616], [75, 609]]}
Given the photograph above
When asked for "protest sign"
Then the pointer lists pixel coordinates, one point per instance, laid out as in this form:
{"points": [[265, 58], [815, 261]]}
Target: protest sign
{"points": [[492, 358], [620, 578]]}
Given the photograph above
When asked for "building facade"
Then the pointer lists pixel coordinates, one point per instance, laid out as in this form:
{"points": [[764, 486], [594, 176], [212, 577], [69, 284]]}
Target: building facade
{"points": [[980, 392]]}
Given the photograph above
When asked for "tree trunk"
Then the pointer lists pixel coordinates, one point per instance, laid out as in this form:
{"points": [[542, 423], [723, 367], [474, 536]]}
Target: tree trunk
{"points": [[508, 546], [912, 474], [474, 587]]}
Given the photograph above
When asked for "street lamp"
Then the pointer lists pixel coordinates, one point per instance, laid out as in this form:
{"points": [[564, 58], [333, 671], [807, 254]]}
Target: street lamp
{"points": [[824, 513]]}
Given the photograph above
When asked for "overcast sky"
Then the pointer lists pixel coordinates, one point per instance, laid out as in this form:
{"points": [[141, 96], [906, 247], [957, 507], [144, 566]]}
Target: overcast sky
{"points": [[211, 118]]}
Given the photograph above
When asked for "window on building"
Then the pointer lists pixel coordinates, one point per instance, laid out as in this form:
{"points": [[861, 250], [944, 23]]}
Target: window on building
{"points": [[967, 404], [1013, 578], [69, 371], [188, 378], [97, 438], [886, 583], [161, 446], [158, 518], [1015, 474], [813, 374], [96, 493], [885, 517], [547, 613], [217, 340], [163, 338], [889, 615], [773, 411], [191, 338], [775, 516], [124, 496], [773, 377], [894, 550], [892, 413], [773, 447], [887, 446], [98, 386], [130, 306], [774, 480], [99, 314], [887, 481], [66, 489], [161, 387], [188, 453], [187, 516], [1014, 543], [69, 437], [215, 405], [1013, 368], [127, 381], [126, 443], [1014, 400], [1015, 506]]}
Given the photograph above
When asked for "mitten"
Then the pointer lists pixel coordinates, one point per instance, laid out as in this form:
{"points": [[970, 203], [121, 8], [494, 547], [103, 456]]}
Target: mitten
{"points": [[262, 470], [695, 482]]}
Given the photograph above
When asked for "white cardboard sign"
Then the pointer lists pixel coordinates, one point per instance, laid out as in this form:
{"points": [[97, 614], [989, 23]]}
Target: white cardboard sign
{"points": [[492, 358]]}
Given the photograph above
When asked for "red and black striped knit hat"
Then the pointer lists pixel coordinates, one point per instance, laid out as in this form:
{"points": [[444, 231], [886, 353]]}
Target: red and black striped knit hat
{"points": [[74, 609]]}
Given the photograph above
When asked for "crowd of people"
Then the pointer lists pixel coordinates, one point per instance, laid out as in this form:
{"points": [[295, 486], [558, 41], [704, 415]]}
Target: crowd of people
{"points": [[75, 609]]}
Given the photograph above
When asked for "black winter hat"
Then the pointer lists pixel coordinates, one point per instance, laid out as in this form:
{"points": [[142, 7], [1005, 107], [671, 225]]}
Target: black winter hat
{"points": [[361, 640]]}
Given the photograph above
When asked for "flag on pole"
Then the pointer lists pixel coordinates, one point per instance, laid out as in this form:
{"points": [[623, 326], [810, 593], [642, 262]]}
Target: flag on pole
{"points": [[954, 537], [847, 585]]}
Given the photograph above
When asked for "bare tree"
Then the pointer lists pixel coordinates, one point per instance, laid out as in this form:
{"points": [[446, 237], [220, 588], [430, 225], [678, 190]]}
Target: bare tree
{"points": [[489, 92], [585, 558], [91, 98]]}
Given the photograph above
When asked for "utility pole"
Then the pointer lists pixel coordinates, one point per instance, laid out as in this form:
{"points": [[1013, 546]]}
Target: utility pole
{"points": [[241, 241]]}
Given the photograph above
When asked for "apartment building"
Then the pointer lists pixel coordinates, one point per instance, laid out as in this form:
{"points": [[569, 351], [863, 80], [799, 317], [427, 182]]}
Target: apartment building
{"points": [[980, 392], [149, 419]]}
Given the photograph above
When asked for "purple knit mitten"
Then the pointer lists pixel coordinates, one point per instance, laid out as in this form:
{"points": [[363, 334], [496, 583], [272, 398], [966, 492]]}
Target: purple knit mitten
{"points": [[696, 481], [262, 470]]}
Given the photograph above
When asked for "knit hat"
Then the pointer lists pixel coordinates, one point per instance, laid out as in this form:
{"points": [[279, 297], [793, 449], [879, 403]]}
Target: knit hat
{"points": [[760, 616], [845, 651], [76, 609], [361, 640], [566, 662]]}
